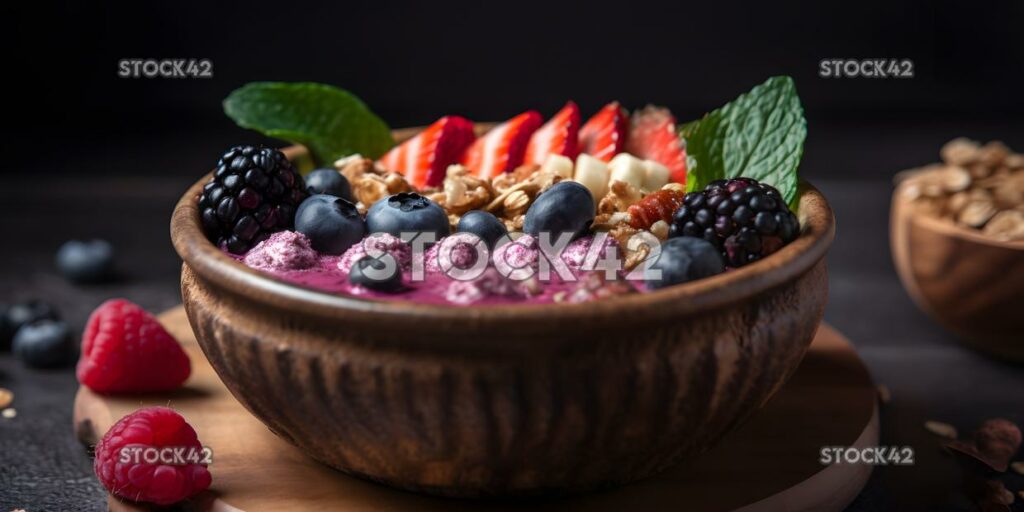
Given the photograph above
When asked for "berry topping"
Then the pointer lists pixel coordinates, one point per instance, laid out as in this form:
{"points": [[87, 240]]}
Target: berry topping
{"points": [[407, 212], [22, 314], [330, 182], [744, 219], [331, 223], [424, 158], [156, 434], [685, 259], [375, 245], [44, 344], [379, 274], [559, 136], [502, 149], [86, 262], [658, 205], [653, 137], [484, 225], [125, 349], [604, 135], [566, 207], [254, 192], [284, 250]]}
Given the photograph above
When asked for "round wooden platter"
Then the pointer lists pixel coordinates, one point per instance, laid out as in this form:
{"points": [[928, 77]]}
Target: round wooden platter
{"points": [[770, 463]]}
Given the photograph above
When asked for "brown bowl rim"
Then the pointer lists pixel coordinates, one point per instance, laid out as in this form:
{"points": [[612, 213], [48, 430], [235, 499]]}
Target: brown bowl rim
{"points": [[209, 263], [945, 227]]}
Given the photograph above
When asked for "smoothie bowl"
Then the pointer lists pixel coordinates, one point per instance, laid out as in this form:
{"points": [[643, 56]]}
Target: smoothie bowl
{"points": [[517, 386]]}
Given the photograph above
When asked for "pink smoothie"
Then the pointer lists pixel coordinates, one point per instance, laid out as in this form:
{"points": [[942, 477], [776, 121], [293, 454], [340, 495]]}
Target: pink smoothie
{"points": [[288, 256]]}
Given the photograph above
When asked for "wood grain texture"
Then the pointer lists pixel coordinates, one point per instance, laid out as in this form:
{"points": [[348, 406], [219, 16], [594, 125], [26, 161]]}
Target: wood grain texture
{"points": [[971, 284], [768, 464]]}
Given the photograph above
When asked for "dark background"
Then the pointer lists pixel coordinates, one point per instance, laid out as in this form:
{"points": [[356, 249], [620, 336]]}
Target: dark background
{"points": [[89, 154], [415, 62]]}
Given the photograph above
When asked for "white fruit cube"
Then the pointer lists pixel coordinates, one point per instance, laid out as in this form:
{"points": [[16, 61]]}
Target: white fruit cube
{"points": [[560, 165], [628, 168], [656, 175], [593, 174]]}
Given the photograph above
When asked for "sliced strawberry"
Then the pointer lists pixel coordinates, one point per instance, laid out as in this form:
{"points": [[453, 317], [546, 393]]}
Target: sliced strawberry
{"points": [[502, 149], [424, 158], [653, 137], [559, 136], [604, 135]]}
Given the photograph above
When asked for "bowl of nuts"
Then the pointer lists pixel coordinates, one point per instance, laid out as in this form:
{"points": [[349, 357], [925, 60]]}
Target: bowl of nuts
{"points": [[957, 235]]}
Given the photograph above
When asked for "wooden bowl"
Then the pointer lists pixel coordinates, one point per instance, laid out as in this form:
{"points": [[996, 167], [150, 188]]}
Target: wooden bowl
{"points": [[969, 283], [506, 400]]}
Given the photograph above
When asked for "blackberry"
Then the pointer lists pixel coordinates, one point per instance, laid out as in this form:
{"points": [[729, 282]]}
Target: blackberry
{"points": [[745, 220], [254, 192]]}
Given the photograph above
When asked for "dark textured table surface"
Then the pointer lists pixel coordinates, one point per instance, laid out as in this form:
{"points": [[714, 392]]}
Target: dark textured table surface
{"points": [[117, 195]]}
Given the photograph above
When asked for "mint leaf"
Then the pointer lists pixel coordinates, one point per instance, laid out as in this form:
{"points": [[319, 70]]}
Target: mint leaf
{"points": [[758, 135], [331, 122]]}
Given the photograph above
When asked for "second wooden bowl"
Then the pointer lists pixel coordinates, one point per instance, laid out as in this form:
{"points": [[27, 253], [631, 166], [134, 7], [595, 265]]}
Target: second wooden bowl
{"points": [[969, 283], [506, 400]]}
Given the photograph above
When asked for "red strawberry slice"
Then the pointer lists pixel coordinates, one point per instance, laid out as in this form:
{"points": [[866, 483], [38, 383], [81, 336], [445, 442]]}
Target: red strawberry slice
{"points": [[604, 135], [501, 149], [653, 137], [424, 158], [559, 136], [126, 350]]}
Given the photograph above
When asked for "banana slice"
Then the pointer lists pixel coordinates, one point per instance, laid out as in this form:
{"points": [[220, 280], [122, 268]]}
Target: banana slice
{"points": [[593, 174], [561, 165], [628, 168], [656, 175]]}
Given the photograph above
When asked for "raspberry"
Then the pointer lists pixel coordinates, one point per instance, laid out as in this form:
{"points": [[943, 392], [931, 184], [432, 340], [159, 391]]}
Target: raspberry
{"points": [[125, 349], [742, 218], [126, 473]]}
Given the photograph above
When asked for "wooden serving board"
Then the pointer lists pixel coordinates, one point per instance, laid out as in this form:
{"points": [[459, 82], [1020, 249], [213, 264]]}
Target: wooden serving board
{"points": [[770, 463]]}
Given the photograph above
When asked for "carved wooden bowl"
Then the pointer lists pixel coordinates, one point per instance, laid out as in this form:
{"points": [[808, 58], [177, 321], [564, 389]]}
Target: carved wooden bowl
{"points": [[506, 400], [969, 283]]}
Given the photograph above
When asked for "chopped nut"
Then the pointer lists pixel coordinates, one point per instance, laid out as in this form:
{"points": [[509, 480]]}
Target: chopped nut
{"points": [[1018, 467], [1006, 225], [960, 151], [976, 213], [516, 203], [621, 195], [609, 221], [675, 186], [660, 229], [941, 429], [993, 444], [993, 154], [6, 397]]}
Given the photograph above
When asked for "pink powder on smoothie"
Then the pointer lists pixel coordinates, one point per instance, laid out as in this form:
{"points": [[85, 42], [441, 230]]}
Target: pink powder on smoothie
{"points": [[522, 252], [284, 250], [490, 284], [582, 253], [390, 244], [459, 251]]}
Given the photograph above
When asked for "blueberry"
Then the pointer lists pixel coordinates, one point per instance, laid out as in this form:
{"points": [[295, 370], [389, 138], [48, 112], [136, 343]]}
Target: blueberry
{"points": [[330, 182], [331, 223], [566, 207], [44, 344], [21, 314], [373, 274], [684, 259], [407, 212], [86, 262], [483, 225]]}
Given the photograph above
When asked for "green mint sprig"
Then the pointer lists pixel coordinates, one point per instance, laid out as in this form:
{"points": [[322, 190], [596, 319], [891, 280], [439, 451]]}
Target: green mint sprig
{"points": [[758, 135], [330, 122]]}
